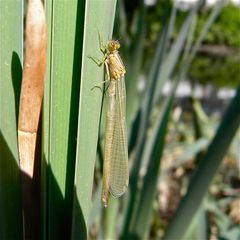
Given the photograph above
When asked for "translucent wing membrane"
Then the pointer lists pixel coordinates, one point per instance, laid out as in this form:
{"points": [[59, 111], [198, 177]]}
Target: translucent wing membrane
{"points": [[118, 175], [115, 166]]}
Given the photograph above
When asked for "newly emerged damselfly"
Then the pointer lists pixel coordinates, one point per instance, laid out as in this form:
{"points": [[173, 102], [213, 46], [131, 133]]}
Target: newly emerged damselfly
{"points": [[115, 165]]}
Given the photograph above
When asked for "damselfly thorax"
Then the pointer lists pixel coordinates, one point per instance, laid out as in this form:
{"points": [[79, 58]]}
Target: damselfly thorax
{"points": [[115, 66]]}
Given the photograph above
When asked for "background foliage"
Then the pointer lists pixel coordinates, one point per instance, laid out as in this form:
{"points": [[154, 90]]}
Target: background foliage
{"points": [[176, 145]]}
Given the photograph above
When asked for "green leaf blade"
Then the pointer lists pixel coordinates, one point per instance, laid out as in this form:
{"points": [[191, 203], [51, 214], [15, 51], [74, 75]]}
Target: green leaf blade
{"points": [[99, 17], [11, 44]]}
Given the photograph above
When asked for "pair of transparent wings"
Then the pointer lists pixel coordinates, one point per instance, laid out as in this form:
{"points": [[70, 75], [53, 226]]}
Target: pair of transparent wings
{"points": [[116, 140]]}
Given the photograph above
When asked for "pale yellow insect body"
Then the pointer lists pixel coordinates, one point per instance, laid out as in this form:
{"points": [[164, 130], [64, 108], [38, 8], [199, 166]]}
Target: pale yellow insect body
{"points": [[115, 166]]}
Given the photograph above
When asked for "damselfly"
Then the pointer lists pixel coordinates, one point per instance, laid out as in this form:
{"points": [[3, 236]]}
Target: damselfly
{"points": [[115, 166]]}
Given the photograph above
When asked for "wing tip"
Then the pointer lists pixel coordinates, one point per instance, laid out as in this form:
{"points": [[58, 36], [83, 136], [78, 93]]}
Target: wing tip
{"points": [[116, 193]]}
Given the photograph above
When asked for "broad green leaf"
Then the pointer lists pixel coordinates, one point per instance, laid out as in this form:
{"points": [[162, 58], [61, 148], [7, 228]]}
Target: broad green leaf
{"points": [[11, 47], [99, 17], [65, 21]]}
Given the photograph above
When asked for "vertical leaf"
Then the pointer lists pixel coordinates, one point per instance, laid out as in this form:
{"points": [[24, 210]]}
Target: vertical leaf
{"points": [[32, 84], [11, 47], [65, 27], [99, 17]]}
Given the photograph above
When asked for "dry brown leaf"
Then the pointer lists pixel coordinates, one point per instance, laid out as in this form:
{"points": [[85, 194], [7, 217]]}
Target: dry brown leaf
{"points": [[32, 84]]}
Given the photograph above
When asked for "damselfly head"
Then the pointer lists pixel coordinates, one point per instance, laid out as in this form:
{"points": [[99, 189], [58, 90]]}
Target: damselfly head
{"points": [[113, 46]]}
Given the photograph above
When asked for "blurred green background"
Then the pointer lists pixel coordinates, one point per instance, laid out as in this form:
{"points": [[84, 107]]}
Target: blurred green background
{"points": [[183, 115]]}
